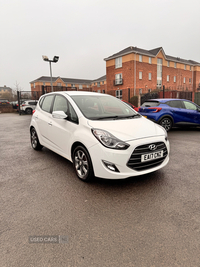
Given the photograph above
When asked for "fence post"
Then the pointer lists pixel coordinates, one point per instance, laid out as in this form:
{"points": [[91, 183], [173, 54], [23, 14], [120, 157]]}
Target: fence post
{"points": [[163, 91], [18, 98]]}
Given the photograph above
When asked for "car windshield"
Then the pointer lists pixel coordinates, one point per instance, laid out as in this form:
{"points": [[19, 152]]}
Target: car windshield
{"points": [[103, 107]]}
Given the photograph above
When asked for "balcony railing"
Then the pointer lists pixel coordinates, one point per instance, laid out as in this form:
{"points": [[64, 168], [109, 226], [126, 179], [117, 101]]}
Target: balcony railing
{"points": [[118, 81]]}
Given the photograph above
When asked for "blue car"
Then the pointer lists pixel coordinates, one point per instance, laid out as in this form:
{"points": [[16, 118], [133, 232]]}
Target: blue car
{"points": [[169, 112]]}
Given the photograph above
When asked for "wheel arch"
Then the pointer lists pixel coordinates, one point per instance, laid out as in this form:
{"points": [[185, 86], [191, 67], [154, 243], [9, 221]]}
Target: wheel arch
{"points": [[75, 144], [166, 116]]}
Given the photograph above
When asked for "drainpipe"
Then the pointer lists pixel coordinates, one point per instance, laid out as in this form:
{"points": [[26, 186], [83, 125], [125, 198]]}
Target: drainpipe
{"points": [[135, 73]]}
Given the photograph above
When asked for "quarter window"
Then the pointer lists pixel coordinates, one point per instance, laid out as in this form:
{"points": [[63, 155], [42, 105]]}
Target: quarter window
{"points": [[46, 104], [189, 105]]}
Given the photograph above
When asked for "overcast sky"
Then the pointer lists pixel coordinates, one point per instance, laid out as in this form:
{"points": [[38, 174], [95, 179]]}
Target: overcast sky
{"points": [[84, 32]]}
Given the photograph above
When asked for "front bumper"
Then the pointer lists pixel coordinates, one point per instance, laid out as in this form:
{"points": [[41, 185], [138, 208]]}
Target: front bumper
{"points": [[120, 159]]}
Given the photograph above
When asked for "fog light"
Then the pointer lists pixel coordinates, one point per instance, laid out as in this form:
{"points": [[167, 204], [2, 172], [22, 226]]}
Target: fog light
{"points": [[110, 166]]}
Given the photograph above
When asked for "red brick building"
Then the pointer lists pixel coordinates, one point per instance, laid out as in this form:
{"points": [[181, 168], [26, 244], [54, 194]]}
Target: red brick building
{"points": [[141, 71]]}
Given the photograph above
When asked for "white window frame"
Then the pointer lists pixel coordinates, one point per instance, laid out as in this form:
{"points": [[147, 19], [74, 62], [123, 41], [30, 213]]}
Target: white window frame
{"points": [[118, 62], [80, 86], [118, 79], [118, 94], [167, 78], [140, 75], [98, 84], [140, 58], [150, 76], [150, 60]]}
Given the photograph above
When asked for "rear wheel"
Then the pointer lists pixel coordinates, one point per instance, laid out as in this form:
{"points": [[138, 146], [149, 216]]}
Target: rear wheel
{"points": [[166, 123], [35, 141], [29, 111], [82, 164]]}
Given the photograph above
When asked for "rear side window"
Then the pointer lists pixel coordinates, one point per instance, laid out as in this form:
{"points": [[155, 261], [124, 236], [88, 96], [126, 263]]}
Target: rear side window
{"points": [[175, 104], [150, 104], [46, 104]]}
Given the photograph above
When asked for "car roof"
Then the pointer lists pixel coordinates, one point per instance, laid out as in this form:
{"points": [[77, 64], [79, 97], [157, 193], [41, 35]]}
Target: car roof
{"points": [[163, 100], [74, 93]]}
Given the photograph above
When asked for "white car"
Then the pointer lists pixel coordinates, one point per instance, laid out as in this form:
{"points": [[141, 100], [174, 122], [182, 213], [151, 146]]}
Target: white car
{"points": [[99, 134], [28, 106]]}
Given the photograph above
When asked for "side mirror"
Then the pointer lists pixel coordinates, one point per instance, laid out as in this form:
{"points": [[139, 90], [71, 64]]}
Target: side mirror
{"points": [[59, 114]]}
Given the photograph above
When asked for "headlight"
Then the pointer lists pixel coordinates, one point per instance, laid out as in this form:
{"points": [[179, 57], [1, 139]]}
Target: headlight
{"points": [[109, 140]]}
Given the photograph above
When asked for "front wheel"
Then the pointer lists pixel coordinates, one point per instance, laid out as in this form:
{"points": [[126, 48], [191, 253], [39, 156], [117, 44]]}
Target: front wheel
{"points": [[35, 141], [166, 123], [29, 111], [82, 164]]}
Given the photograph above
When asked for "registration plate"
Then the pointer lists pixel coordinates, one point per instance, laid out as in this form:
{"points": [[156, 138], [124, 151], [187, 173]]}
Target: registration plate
{"points": [[151, 156], [145, 117]]}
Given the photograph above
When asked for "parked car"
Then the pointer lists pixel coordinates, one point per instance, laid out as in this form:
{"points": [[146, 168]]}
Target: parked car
{"points": [[28, 106], [100, 134], [169, 112], [4, 102], [131, 105]]}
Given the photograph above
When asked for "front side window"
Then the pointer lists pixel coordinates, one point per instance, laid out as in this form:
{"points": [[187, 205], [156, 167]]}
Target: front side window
{"points": [[60, 104], [189, 105], [118, 62], [47, 102]]}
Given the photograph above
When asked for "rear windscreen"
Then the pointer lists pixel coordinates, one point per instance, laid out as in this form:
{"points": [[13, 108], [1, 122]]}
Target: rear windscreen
{"points": [[150, 104]]}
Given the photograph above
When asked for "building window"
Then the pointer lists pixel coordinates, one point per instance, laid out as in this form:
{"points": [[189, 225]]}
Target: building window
{"points": [[94, 84], [118, 79], [175, 65], [140, 91], [150, 60], [190, 68], [149, 76], [168, 64], [44, 84], [174, 78], [140, 58], [140, 75], [189, 80], [102, 82], [72, 85], [118, 94], [184, 67], [98, 84], [118, 62], [184, 80], [159, 72], [34, 85], [167, 78], [80, 86], [59, 84]]}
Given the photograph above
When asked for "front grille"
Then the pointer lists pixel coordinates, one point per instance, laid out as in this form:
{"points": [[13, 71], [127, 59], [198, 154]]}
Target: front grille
{"points": [[135, 162]]}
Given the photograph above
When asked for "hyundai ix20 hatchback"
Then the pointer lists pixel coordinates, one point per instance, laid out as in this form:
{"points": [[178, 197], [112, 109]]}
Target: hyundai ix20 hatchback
{"points": [[99, 134]]}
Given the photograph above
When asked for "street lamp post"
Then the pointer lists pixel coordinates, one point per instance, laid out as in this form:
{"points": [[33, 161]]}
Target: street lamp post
{"points": [[55, 59]]}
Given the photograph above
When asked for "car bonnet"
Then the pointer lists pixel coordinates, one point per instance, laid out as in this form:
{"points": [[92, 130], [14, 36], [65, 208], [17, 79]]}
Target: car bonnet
{"points": [[128, 129]]}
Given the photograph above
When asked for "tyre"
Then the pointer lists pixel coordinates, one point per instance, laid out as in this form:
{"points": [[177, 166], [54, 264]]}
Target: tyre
{"points": [[29, 111], [35, 141], [82, 164], [166, 123]]}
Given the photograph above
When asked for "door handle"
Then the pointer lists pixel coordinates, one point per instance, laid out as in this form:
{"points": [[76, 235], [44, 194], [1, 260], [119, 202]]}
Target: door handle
{"points": [[50, 123]]}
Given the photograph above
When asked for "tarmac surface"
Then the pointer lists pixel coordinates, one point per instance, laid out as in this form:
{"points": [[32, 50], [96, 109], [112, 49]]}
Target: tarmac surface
{"points": [[50, 218]]}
